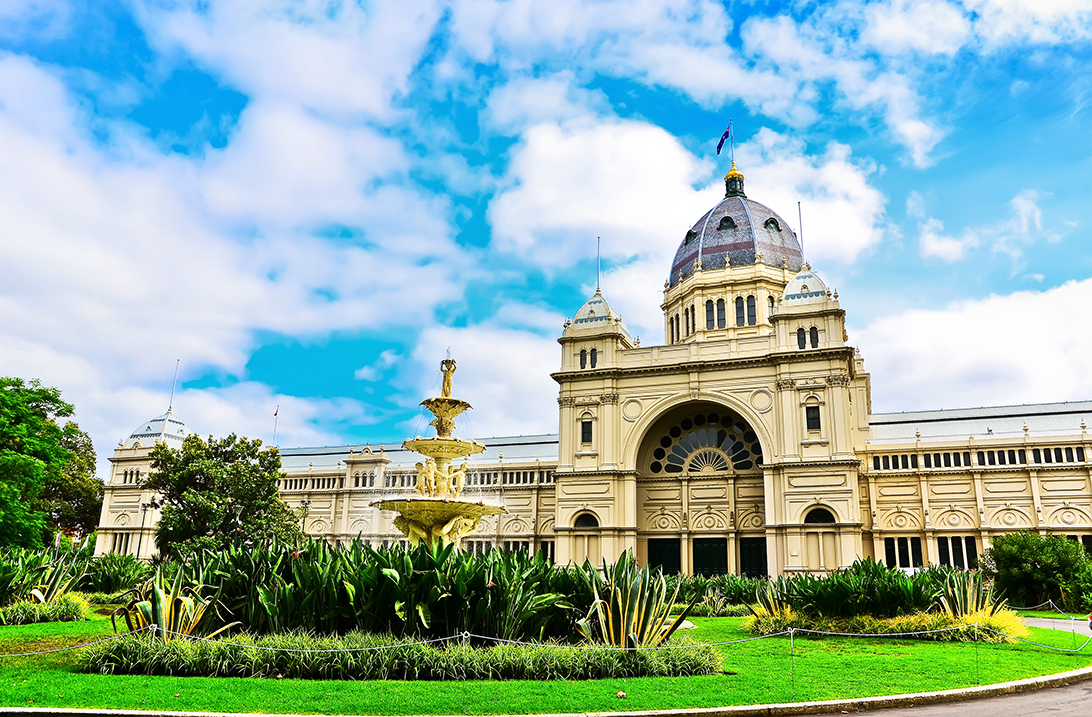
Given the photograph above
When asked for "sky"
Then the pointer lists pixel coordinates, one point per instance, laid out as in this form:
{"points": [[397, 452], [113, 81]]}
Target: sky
{"points": [[308, 205]]}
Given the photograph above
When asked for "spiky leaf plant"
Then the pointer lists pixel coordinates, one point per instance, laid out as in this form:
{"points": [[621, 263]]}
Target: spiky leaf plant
{"points": [[178, 611], [631, 607]]}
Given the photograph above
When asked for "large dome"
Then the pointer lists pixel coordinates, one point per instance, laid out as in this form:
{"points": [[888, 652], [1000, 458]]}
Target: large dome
{"points": [[166, 429], [737, 229]]}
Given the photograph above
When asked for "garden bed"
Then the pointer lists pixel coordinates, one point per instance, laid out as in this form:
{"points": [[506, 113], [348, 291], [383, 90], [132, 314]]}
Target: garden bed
{"points": [[360, 656]]}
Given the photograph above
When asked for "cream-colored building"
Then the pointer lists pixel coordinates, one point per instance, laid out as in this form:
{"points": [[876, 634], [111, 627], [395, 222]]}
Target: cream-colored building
{"points": [[745, 443]]}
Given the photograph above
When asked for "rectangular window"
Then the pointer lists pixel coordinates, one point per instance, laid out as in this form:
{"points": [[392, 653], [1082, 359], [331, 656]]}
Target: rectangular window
{"points": [[1057, 455], [905, 462], [812, 414], [966, 458], [928, 460], [889, 553], [1000, 457], [1023, 456], [1087, 540], [981, 458], [1036, 455], [1012, 458], [1046, 456], [990, 458], [585, 431], [942, 551], [875, 463], [887, 463], [948, 460], [915, 552], [720, 314], [914, 461], [1080, 454], [972, 552], [1068, 455], [708, 314], [904, 553], [546, 547]]}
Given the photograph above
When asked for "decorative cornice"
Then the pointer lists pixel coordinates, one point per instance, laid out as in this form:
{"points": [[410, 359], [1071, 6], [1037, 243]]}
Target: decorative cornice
{"points": [[565, 401], [611, 398], [785, 384], [838, 379]]}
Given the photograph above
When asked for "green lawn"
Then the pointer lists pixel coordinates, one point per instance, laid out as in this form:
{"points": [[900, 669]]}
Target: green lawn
{"points": [[759, 671], [1048, 614]]}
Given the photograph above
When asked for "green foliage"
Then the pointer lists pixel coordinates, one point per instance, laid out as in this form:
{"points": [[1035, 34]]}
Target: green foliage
{"points": [[179, 611], [994, 627], [72, 499], [218, 493], [117, 598], [865, 588], [704, 609], [421, 591], [1029, 569], [37, 575], [736, 589], [396, 661], [631, 606], [69, 607], [32, 453], [969, 592], [113, 573]]}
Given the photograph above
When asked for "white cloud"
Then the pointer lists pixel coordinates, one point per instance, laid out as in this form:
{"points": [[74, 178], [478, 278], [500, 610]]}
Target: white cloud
{"points": [[935, 243], [1001, 350], [816, 54], [524, 101], [924, 26], [1037, 21], [118, 259], [376, 371], [336, 58]]}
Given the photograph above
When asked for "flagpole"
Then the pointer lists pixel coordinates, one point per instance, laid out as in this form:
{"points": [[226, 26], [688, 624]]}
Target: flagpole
{"points": [[174, 383], [598, 262], [276, 417]]}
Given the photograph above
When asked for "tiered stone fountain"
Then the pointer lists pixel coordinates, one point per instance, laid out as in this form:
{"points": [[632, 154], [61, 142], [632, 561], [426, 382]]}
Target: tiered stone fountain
{"points": [[436, 512]]}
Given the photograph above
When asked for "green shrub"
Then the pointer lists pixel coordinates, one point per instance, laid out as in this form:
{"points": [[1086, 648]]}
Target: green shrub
{"points": [[139, 654], [999, 626], [705, 610], [180, 611], [113, 573], [1029, 569], [40, 575], [70, 607], [107, 598], [968, 592]]}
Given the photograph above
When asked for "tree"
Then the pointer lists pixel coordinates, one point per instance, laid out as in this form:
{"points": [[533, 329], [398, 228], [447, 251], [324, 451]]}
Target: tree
{"points": [[1031, 568], [72, 500], [32, 454], [217, 492]]}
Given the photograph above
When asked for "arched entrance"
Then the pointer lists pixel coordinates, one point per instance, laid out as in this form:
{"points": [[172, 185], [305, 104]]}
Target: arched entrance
{"points": [[700, 492]]}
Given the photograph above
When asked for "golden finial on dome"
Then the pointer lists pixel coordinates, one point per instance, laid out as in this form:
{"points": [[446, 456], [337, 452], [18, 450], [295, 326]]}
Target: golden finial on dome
{"points": [[733, 172]]}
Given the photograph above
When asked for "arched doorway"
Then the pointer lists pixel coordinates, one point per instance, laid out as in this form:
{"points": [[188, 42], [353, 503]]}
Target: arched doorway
{"points": [[701, 495]]}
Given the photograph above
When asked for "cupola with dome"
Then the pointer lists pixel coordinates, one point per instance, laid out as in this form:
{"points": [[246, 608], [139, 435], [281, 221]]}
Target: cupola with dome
{"points": [[738, 231], [729, 271], [594, 336], [161, 429]]}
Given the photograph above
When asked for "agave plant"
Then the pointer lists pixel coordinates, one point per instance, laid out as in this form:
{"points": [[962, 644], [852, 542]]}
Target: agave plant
{"points": [[179, 611], [631, 607], [58, 577], [772, 599], [969, 592]]}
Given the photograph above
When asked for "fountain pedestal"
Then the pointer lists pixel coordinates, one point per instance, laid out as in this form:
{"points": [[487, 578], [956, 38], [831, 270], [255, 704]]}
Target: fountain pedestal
{"points": [[437, 513]]}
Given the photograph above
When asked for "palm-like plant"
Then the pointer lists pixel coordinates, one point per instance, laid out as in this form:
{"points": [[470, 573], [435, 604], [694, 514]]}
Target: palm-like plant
{"points": [[179, 611], [631, 606], [969, 592]]}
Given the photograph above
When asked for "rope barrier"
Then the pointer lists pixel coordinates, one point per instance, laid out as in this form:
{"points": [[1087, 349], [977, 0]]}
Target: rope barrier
{"points": [[77, 647], [1053, 605], [627, 649]]}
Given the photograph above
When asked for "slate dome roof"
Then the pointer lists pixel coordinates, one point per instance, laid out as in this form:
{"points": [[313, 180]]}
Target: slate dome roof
{"points": [[737, 229], [165, 428], [597, 314]]}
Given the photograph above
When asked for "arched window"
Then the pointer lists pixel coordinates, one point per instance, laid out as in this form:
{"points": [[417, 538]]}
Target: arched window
{"points": [[814, 337], [709, 314], [720, 314], [752, 311], [671, 329], [770, 300], [693, 319], [586, 520], [726, 223], [584, 357], [740, 320], [819, 515], [594, 357], [686, 321], [772, 223], [802, 338], [678, 333]]}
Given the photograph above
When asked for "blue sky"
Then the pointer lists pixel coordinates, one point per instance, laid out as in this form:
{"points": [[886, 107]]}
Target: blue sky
{"points": [[311, 203]]}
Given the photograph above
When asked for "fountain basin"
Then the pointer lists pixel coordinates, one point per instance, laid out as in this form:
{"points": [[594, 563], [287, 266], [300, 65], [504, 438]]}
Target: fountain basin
{"points": [[438, 520], [443, 448]]}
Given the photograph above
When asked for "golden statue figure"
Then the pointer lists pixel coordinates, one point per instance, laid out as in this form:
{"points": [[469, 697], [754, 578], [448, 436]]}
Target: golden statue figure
{"points": [[447, 367]]}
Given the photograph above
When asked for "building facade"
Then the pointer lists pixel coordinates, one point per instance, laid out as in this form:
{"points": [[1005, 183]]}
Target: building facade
{"points": [[745, 443]]}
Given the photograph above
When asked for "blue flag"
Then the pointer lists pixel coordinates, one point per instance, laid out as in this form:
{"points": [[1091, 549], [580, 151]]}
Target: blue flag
{"points": [[723, 138]]}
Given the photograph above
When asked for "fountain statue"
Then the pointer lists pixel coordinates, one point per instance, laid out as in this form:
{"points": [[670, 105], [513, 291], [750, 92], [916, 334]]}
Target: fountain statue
{"points": [[437, 513]]}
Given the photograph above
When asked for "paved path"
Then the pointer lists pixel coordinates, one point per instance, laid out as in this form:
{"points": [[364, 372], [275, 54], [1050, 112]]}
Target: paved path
{"points": [[1064, 624], [1075, 699]]}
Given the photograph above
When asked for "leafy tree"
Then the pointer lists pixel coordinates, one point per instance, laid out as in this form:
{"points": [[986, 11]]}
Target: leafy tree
{"points": [[32, 454], [72, 500], [218, 492], [1032, 568]]}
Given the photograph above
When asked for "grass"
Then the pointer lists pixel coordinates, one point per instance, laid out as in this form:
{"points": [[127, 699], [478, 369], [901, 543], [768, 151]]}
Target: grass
{"points": [[1053, 615], [763, 672]]}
